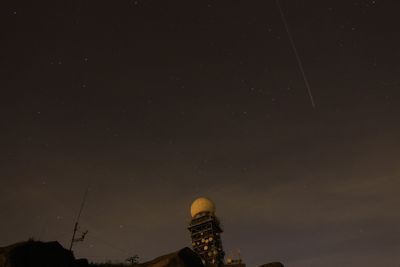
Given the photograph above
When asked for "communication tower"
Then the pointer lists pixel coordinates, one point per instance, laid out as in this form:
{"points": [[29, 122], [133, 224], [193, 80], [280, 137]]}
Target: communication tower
{"points": [[206, 230]]}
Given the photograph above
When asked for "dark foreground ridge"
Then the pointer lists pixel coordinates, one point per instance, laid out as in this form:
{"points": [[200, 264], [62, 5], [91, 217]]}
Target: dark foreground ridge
{"points": [[181, 258], [273, 264], [188, 258], [38, 254], [52, 254]]}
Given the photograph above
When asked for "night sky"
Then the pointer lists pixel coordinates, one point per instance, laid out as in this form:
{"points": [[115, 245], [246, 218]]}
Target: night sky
{"points": [[154, 103]]}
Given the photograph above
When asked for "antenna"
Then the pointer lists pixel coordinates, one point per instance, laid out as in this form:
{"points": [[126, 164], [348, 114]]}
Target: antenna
{"points": [[76, 226]]}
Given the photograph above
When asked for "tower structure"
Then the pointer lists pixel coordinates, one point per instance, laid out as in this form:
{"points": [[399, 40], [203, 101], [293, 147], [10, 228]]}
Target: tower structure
{"points": [[205, 230]]}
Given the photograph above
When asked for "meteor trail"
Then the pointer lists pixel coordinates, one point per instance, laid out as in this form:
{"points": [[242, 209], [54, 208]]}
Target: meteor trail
{"points": [[299, 62]]}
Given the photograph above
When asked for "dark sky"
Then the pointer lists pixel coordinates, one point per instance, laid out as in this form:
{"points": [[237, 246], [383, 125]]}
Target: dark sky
{"points": [[154, 103]]}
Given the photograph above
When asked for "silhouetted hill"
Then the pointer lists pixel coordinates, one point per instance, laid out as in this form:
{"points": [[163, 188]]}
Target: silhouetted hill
{"points": [[52, 254], [273, 264], [38, 254], [108, 264], [181, 258]]}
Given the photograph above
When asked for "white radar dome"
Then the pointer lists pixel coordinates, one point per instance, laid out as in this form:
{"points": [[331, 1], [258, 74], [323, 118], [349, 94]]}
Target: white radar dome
{"points": [[201, 205]]}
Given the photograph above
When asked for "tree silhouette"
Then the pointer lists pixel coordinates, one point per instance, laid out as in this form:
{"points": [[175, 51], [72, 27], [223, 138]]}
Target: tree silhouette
{"points": [[134, 260]]}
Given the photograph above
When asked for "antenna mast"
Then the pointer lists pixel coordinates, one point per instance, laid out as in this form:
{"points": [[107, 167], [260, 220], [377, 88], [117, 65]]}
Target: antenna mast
{"points": [[76, 226]]}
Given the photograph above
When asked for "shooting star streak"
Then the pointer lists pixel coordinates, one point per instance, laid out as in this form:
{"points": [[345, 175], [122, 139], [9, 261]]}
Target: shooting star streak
{"points": [[299, 62]]}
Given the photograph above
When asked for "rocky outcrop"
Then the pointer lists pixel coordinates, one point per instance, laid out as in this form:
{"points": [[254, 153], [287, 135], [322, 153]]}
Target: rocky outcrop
{"points": [[181, 258]]}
